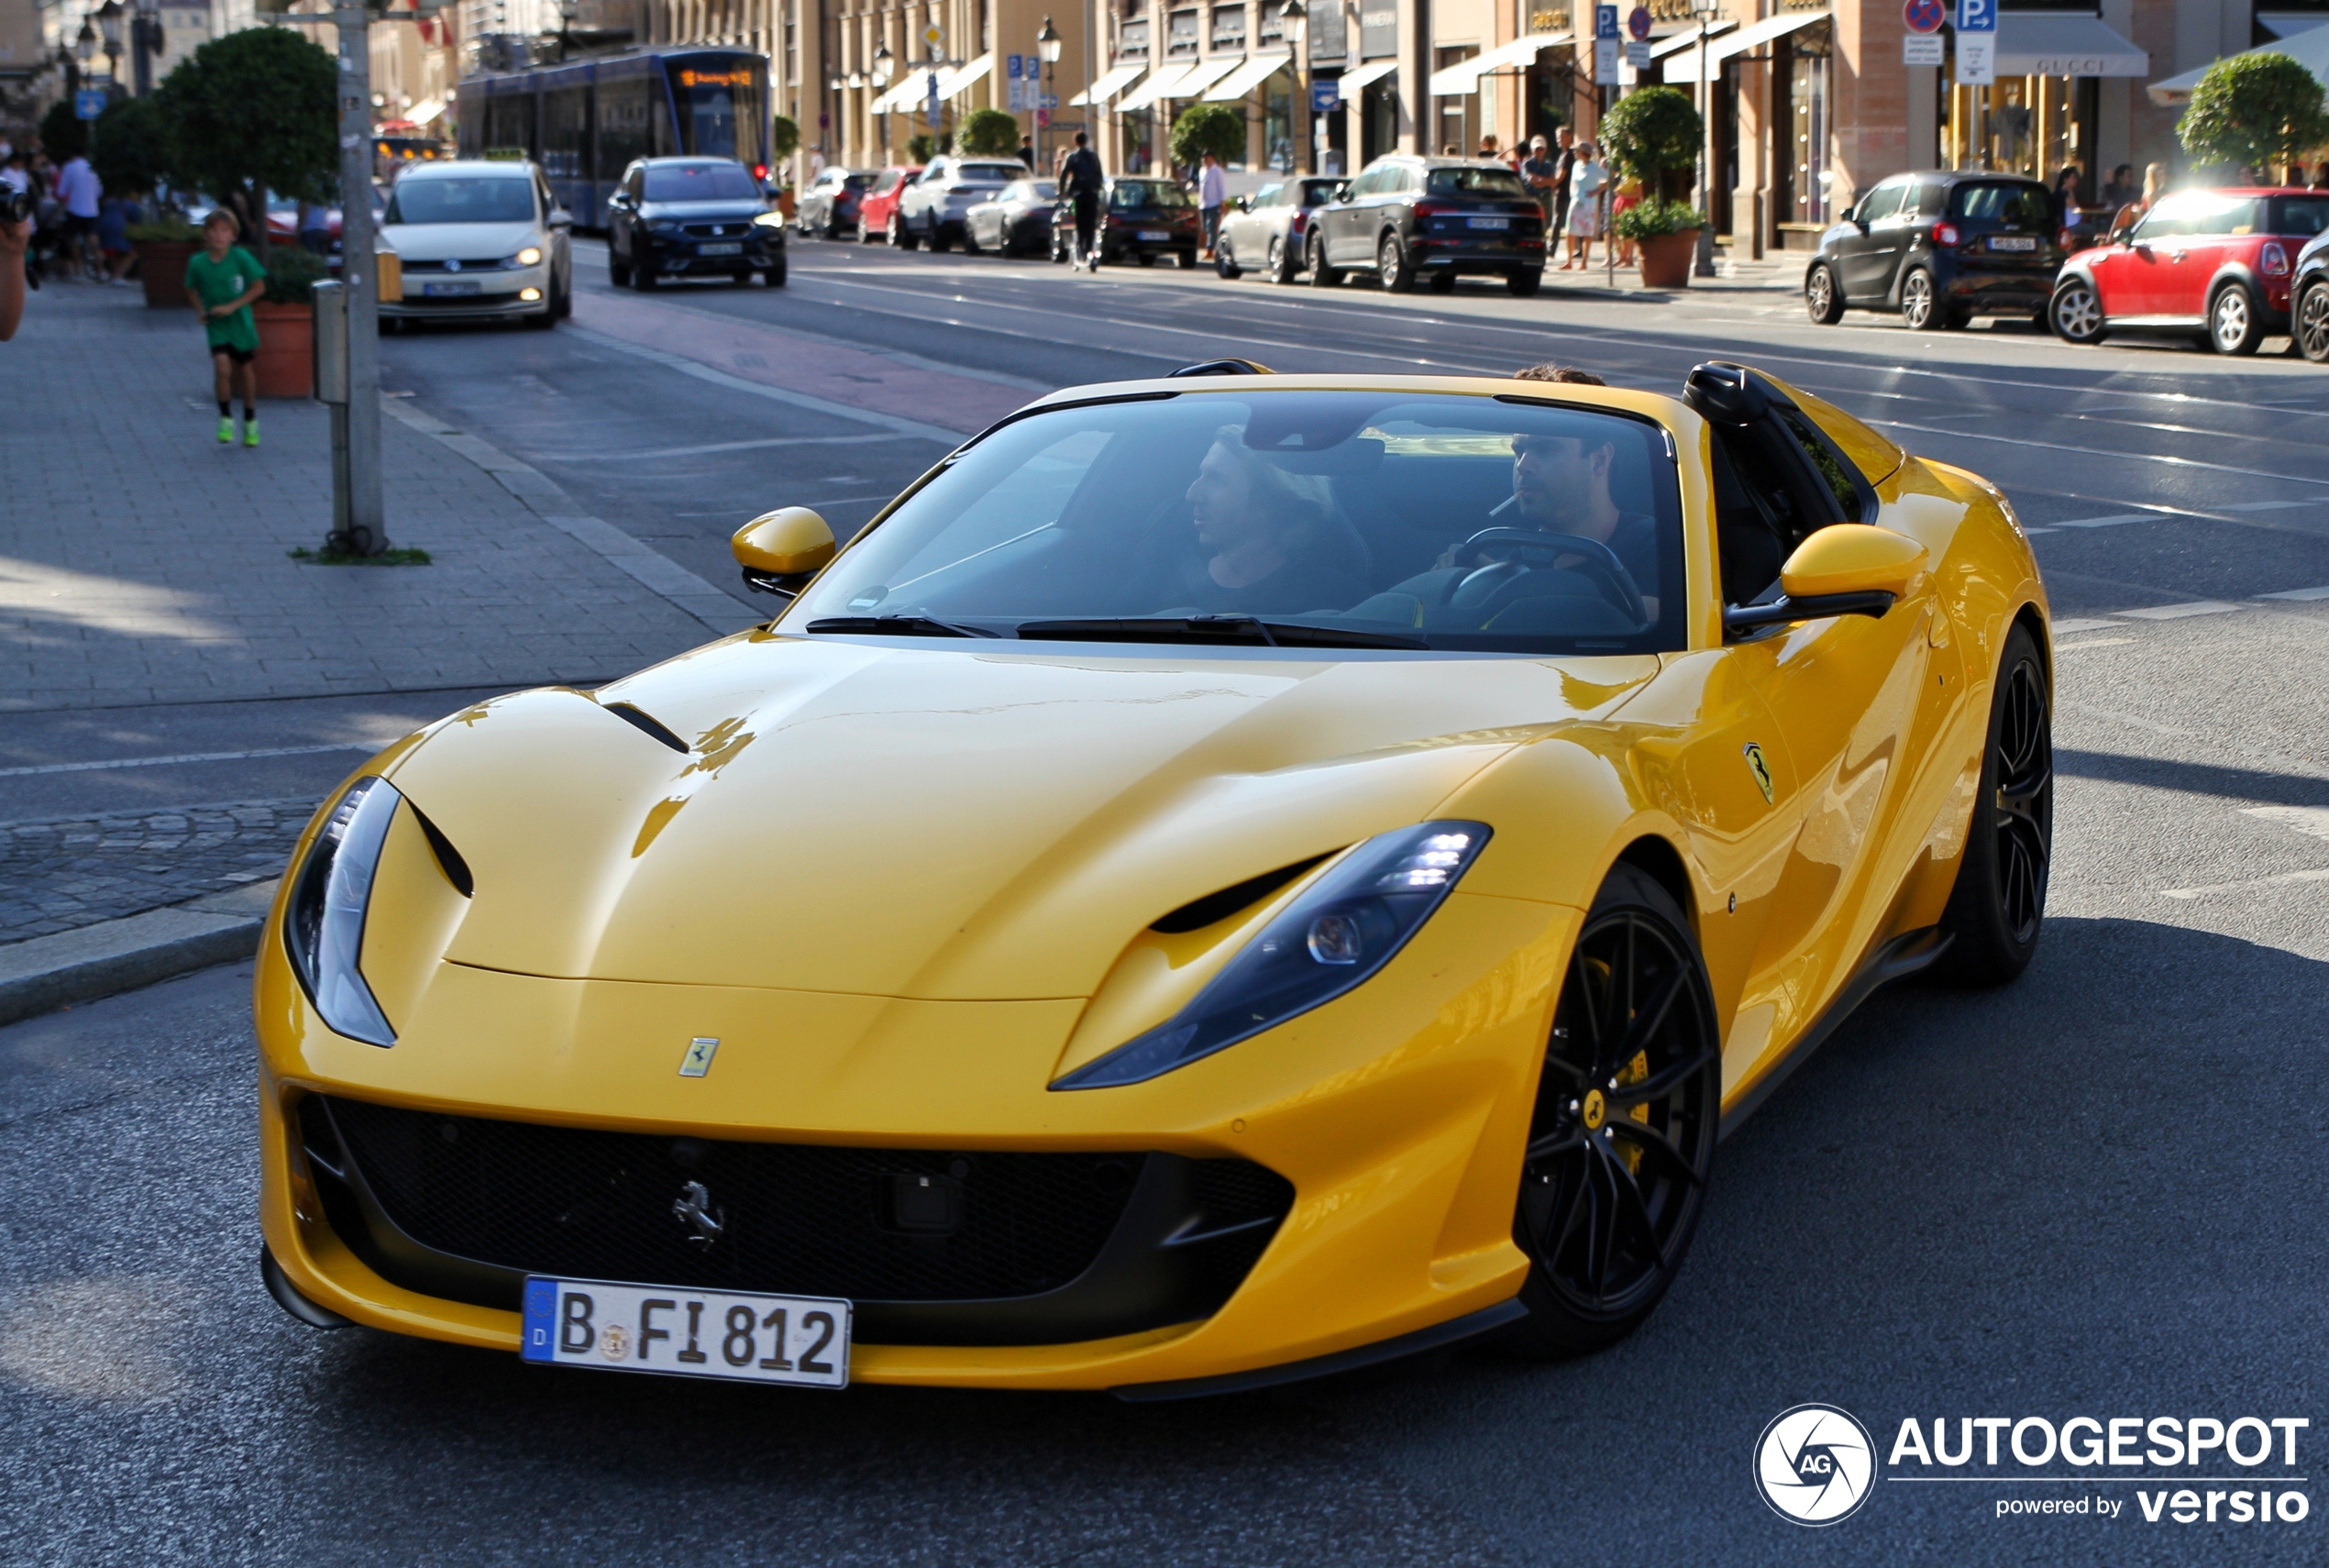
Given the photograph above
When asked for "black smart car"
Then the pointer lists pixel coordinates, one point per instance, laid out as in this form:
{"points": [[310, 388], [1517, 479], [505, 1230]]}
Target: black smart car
{"points": [[692, 218], [1939, 249], [1143, 218], [1436, 218]]}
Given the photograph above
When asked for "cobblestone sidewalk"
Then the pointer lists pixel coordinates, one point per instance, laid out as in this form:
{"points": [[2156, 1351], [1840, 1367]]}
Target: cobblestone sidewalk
{"points": [[62, 873]]}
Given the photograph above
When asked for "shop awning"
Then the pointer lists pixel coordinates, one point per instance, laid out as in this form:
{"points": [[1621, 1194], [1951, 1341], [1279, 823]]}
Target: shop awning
{"points": [[1108, 86], [1683, 65], [2061, 43], [2309, 49], [1202, 75], [909, 91], [1159, 84], [1257, 70], [2289, 24], [1366, 75], [969, 76], [1463, 79], [425, 111]]}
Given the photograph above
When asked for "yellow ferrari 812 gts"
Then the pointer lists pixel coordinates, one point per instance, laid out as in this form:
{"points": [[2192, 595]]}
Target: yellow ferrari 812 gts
{"points": [[1229, 877]]}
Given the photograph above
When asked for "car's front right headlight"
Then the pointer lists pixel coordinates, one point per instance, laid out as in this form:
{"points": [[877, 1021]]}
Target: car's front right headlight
{"points": [[529, 257], [324, 922]]}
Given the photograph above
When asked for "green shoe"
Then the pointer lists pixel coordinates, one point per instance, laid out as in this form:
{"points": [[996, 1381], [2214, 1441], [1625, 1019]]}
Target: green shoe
{"points": [[225, 430], [250, 433]]}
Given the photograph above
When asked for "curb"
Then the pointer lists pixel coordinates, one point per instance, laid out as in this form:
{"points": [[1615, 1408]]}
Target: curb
{"points": [[116, 955]]}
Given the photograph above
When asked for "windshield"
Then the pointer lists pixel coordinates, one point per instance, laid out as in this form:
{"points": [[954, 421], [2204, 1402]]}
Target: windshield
{"points": [[1440, 522], [1501, 183], [701, 182], [1318, 193], [988, 173], [469, 198], [1146, 194], [2300, 216], [2025, 206]]}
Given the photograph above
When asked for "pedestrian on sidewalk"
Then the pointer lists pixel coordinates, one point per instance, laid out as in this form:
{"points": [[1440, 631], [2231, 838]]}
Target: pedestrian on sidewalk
{"points": [[222, 280], [1212, 190], [1082, 183], [1585, 212], [81, 190], [1536, 171], [114, 218], [1564, 178]]}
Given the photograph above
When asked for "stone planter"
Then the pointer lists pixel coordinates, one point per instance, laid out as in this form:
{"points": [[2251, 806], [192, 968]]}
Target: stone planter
{"points": [[286, 362], [1666, 260], [162, 266]]}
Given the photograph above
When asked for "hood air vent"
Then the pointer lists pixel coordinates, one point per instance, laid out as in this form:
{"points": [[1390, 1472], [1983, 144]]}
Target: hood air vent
{"points": [[1198, 913], [647, 723]]}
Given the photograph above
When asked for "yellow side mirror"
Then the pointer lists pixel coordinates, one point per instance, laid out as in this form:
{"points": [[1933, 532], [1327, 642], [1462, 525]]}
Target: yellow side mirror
{"points": [[1852, 557], [780, 550]]}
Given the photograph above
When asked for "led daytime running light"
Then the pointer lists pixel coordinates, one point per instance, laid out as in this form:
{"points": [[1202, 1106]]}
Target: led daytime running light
{"points": [[324, 925]]}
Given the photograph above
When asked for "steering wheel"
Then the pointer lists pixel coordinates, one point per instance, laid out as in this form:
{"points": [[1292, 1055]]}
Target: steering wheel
{"points": [[1597, 559]]}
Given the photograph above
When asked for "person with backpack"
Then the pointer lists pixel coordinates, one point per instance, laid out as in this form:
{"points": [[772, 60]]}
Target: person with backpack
{"points": [[222, 280], [1083, 184]]}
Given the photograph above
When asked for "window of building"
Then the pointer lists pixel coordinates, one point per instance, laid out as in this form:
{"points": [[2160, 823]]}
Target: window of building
{"points": [[1180, 34], [1228, 28], [1132, 40]]}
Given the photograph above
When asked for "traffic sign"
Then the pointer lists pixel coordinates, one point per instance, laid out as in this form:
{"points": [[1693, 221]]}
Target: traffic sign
{"points": [[1638, 21], [1923, 49], [1977, 15], [1604, 21], [1923, 15], [1636, 54], [88, 102], [934, 38], [1325, 98], [1604, 46]]}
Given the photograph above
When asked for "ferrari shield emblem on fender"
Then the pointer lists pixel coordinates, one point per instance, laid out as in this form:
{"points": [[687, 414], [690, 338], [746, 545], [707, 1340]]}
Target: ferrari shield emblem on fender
{"points": [[1755, 764], [698, 1061]]}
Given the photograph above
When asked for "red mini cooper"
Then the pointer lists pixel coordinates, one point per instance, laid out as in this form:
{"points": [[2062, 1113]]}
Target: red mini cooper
{"points": [[2212, 262]]}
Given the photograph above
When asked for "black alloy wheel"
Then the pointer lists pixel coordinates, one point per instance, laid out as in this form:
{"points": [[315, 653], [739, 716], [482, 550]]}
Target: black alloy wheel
{"points": [[1998, 904], [1822, 301], [2235, 325], [1322, 275], [774, 276], [1623, 1137], [2313, 322]]}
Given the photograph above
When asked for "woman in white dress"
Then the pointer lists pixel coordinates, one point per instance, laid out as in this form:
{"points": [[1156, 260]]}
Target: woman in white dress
{"points": [[1587, 184]]}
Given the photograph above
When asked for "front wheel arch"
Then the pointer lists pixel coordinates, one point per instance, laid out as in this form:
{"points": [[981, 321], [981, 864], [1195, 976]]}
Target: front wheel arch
{"points": [[1663, 864]]}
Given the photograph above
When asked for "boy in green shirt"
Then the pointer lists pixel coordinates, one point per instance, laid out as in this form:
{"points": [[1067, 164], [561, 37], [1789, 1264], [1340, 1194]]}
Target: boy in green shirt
{"points": [[221, 282]]}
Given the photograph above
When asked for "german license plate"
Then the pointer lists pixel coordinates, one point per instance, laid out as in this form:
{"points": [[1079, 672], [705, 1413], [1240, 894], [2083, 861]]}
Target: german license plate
{"points": [[2012, 242], [686, 1333], [1156, 236], [1487, 223], [447, 290], [721, 247]]}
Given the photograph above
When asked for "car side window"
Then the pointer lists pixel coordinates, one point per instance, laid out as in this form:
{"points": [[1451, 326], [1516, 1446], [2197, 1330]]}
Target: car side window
{"points": [[888, 182], [1854, 495], [1881, 202], [635, 185]]}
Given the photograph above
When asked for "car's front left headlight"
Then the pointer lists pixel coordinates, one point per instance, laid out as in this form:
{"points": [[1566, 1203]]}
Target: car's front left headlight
{"points": [[324, 924], [529, 257], [1330, 941]]}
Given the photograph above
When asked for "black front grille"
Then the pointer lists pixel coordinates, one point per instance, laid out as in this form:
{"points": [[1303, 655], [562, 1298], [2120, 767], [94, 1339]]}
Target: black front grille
{"points": [[716, 230], [464, 1208]]}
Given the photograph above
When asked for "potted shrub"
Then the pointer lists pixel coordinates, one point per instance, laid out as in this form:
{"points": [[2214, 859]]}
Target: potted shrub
{"points": [[163, 248], [1667, 234], [2261, 110], [1653, 135], [286, 319]]}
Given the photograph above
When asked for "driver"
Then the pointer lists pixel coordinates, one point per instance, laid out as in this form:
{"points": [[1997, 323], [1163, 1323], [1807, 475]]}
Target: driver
{"points": [[1561, 485]]}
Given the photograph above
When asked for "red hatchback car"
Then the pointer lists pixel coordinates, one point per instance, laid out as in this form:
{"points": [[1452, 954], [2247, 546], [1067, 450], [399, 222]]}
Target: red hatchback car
{"points": [[2211, 262], [880, 199]]}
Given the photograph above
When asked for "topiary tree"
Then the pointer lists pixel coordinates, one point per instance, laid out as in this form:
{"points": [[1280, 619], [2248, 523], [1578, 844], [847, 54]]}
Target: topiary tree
{"points": [[1217, 129], [64, 134], [256, 111], [784, 138], [922, 147], [2261, 110], [989, 133], [1653, 135], [132, 145]]}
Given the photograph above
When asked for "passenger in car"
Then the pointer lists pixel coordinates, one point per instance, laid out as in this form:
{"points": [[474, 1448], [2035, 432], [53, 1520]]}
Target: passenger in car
{"points": [[1270, 539]]}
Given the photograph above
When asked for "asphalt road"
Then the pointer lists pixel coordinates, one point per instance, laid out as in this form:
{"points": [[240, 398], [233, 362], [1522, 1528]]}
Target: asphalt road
{"points": [[2095, 1193]]}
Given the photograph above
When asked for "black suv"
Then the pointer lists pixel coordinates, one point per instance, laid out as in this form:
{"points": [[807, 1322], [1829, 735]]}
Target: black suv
{"points": [[1939, 249], [1436, 218], [692, 218]]}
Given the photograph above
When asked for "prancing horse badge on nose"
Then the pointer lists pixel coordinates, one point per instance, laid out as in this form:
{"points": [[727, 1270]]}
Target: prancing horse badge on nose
{"points": [[698, 1061], [1755, 764]]}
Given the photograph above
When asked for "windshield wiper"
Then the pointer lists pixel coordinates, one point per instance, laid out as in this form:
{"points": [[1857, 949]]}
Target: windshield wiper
{"points": [[900, 626], [1245, 629]]}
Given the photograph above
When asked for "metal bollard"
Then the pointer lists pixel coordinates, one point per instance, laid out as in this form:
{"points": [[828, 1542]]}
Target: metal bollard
{"points": [[331, 388]]}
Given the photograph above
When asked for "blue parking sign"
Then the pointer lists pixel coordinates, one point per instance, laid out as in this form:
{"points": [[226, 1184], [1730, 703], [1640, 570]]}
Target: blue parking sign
{"points": [[88, 102], [1977, 15], [1605, 21]]}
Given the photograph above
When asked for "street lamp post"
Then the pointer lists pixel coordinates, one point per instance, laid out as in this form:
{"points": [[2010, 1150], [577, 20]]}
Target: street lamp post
{"points": [[1047, 50], [84, 45], [145, 44], [884, 65], [568, 10], [110, 23], [1293, 22]]}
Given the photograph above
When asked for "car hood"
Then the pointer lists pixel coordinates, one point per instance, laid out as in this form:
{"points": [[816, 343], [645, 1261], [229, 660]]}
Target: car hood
{"points": [[462, 241], [975, 825]]}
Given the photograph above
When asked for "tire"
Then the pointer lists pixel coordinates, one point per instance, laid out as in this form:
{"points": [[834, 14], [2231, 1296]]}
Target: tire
{"points": [[1822, 301], [2075, 311], [1442, 283], [1998, 904], [1225, 261], [900, 238], [1921, 304], [2312, 324], [618, 270], [1148, 258], [1392, 268], [1322, 275], [864, 235], [1525, 284], [1282, 266], [971, 246], [563, 306], [1187, 260], [2235, 325], [741, 277], [542, 321], [940, 241], [1611, 1187], [644, 278], [774, 276]]}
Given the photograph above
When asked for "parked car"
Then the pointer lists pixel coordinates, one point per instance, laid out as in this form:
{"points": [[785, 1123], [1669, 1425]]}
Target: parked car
{"points": [[878, 200], [1266, 228], [1937, 251], [932, 208], [2216, 264], [829, 206], [1015, 220], [2310, 290], [692, 217], [479, 238], [1143, 216], [1437, 218]]}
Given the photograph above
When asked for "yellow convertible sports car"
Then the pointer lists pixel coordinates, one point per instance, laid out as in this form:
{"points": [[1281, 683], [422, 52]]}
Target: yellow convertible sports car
{"points": [[1227, 879]]}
